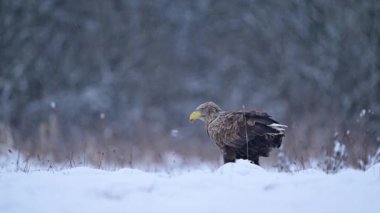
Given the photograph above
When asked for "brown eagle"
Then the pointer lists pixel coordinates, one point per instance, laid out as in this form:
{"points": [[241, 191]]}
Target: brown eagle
{"points": [[240, 134]]}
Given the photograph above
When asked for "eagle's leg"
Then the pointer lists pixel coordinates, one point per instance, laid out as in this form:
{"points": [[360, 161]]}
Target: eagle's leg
{"points": [[256, 161], [229, 155]]}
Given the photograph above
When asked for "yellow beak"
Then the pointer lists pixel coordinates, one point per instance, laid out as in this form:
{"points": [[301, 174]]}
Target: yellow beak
{"points": [[194, 116]]}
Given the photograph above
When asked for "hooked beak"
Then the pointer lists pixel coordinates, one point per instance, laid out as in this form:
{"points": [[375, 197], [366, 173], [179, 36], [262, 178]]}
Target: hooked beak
{"points": [[194, 116]]}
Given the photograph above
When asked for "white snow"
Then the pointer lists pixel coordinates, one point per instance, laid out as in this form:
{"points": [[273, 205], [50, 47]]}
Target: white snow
{"points": [[339, 147], [239, 187]]}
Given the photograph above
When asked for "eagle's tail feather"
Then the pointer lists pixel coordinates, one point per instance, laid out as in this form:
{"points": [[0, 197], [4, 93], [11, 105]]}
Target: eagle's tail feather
{"points": [[278, 127]]}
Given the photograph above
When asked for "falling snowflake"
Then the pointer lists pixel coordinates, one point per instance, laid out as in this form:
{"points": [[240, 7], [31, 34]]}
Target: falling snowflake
{"points": [[174, 133], [52, 105], [362, 113]]}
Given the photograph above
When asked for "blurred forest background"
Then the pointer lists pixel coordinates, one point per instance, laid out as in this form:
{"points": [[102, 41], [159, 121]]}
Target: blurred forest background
{"points": [[97, 82]]}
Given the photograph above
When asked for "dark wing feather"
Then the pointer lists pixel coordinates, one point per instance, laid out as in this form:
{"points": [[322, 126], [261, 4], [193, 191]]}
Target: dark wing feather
{"points": [[255, 124], [260, 117]]}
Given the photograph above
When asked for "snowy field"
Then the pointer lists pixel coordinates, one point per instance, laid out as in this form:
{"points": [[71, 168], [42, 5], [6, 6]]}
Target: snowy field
{"points": [[240, 187]]}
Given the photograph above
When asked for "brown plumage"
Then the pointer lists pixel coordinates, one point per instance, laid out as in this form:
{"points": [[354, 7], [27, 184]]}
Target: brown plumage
{"points": [[231, 131]]}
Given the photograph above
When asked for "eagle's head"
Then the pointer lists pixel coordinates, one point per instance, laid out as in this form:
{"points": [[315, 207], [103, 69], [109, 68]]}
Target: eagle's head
{"points": [[205, 112]]}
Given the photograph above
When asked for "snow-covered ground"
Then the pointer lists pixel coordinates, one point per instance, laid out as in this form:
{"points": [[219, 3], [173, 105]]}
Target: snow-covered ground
{"points": [[239, 187]]}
